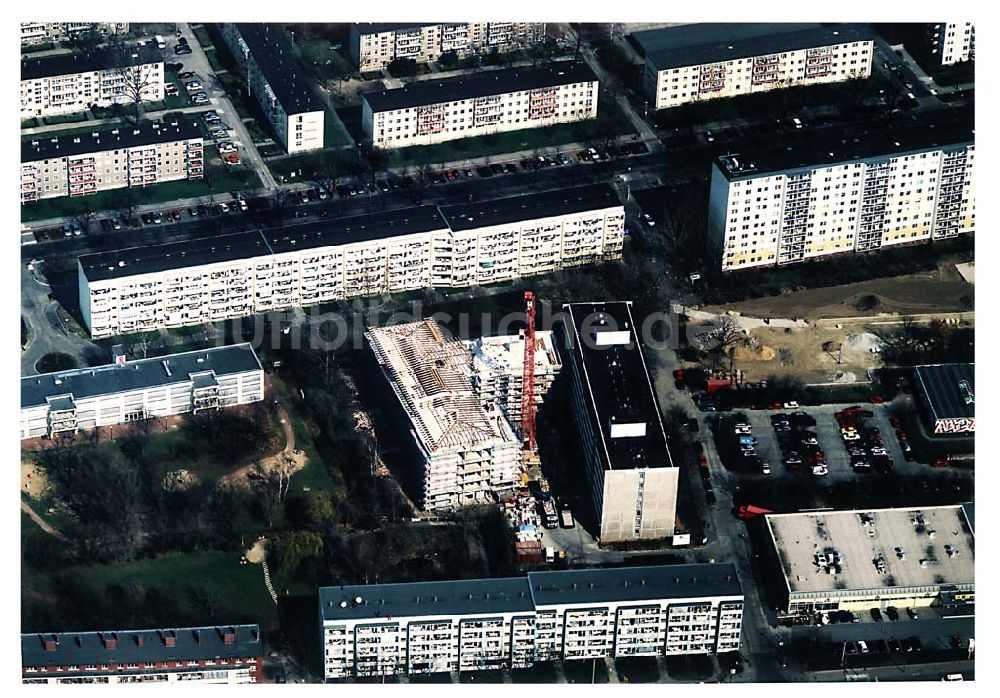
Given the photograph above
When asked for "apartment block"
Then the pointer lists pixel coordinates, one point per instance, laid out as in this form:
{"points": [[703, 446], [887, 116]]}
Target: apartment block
{"points": [[632, 478], [375, 46], [229, 276], [34, 33], [463, 449], [952, 42], [128, 156], [881, 190], [208, 655], [276, 81], [480, 624], [697, 62], [75, 82], [434, 111], [128, 391], [498, 371]]}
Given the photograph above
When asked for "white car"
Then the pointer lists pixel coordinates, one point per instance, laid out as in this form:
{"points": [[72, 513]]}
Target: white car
{"points": [[224, 207], [820, 470], [227, 147], [765, 469], [742, 429], [791, 406], [193, 85]]}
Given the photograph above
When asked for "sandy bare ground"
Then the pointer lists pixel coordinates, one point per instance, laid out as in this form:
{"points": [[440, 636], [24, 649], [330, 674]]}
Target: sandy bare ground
{"points": [[800, 353], [289, 458], [940, 290]]}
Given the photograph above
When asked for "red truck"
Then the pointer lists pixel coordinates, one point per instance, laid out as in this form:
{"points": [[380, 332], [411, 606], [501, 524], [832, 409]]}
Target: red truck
{"points": [[749, 511]]}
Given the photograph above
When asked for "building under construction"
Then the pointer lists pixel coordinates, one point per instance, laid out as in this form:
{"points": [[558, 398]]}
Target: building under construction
{"points": [[465, 447]]}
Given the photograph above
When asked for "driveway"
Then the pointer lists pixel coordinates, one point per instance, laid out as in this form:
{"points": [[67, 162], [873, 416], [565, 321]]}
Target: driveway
{"points": [[47, 333]]}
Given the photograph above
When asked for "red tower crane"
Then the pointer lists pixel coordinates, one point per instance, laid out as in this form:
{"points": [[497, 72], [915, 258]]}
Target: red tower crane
{"points": [[528, 378]]}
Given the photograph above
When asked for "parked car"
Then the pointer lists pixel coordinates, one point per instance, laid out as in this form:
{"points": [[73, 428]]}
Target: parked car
{"points": [[876, 615], [892, 613], [912, 613]]}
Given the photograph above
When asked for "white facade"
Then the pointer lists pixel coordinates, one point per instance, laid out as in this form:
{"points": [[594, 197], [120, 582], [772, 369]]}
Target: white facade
{"points": [[211, 672], [76, 91], [112, 164], [953, 42], [192, 293], [374, 47], [34, 33], [401, 126], [783, 217], [677, 85], [520, 621], [80, 399]]}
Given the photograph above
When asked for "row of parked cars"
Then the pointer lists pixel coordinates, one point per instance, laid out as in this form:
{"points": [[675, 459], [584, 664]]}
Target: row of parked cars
{"points": [[747, 444], [892, 646], [799, 445], [706, 479], [864, 443]]}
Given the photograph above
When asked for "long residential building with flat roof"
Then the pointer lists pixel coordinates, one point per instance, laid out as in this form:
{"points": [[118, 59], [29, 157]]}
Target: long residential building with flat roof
{"points": [[463, 448], [35, 33], [74, 82], [909, 557], [128, 156], [633, 480], [697, 62], [882, 189], [434, 111], [512, 623], [228, 654], [240, 274], [277, 82], [128, 391], [373, 46]]}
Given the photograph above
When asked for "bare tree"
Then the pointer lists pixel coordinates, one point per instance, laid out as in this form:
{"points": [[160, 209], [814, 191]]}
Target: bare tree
{"points": [[131, 67]]}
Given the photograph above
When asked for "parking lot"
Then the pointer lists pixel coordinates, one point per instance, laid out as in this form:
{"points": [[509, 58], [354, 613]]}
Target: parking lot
{"points": [[830, 441]]}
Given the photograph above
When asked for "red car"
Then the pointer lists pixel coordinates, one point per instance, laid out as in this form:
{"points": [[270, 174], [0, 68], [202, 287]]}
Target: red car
{"points": [[679, 374], [877, 399], [939, 463], [702, 461], [901, 435], [896, 422], [774, 406]]}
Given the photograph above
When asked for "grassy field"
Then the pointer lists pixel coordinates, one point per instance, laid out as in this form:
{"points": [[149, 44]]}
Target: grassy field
{"points": [[313, 165], [218, 178], [240, 587], [610, 121]]}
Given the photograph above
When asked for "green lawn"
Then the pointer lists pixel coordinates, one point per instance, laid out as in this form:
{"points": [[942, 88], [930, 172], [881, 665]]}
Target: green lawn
{"points": [[29, 123], [218, 178], [65, 118], [314, 166], [201, 34], [610, 121], [241, 587]]}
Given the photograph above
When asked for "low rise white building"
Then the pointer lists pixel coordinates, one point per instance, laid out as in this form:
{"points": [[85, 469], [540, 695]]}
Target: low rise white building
{"points": [[67, 83], [885, 189], [288, 101], [34, 33], [697, 62], [633, 480], [128, 391], [127, 156], [373, 46], [434, 111], [481, 624], [181, 656], [953, 42], [229, 276]]}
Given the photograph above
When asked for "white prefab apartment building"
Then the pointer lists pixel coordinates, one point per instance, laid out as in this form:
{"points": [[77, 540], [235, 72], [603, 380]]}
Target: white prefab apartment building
{"points": [[953, 42], [633, 480], [426, 111], [34, 33], [880, 191], [463, 448], [697, 62], [482, 624], [375, 46], [128, 156], [182, 656], [230, 276], [291, 106], [127, 391], [72, 83]]}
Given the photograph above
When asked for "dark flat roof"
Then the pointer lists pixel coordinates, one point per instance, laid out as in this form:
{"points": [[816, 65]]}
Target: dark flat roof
{"points": [[875, 142], [98, 59], [618, 385], [150, 259], [275, 55], [44, 147], [380, 27], [457, 597], [369, 226], [137, 374], [493, 82], [939, 384], [530, 206], [462, 597], [623, 584], [80, 649], [698, 44]]}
